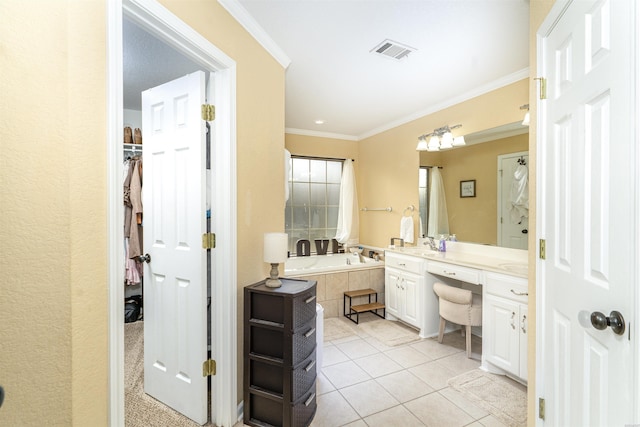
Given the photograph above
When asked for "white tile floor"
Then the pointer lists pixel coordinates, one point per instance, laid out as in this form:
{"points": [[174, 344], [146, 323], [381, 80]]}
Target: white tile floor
{"points": [[366, 383]]}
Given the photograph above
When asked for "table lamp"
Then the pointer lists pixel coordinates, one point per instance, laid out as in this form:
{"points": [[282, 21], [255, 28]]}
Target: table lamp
{"points": [[275, 252]]}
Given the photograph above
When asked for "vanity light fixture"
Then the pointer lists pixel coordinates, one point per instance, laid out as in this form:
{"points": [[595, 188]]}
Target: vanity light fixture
{"points": [[440, 139], [525, 121]]}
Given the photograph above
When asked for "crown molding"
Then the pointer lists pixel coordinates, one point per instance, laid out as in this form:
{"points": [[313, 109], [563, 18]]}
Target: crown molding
{"points": [[247, 21], [318, 134]]}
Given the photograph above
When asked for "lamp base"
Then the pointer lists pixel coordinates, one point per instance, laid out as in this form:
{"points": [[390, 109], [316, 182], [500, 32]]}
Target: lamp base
{"points": [[273, 281]]}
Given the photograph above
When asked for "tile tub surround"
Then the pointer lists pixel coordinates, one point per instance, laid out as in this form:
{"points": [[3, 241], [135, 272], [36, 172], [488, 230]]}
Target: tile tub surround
{"points": [[331, 287]]}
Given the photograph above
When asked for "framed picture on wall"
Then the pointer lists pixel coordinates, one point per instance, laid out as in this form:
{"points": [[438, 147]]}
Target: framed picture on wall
{"points": [[468, 188]]}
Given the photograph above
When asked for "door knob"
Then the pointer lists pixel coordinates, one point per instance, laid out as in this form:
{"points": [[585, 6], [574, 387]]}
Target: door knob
{"points": [[615, 321], [525, 231], [144, 258]]}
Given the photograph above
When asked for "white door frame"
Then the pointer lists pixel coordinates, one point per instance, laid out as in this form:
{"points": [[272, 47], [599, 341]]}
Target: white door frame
{"points": [[160, 22], [549, 22]]}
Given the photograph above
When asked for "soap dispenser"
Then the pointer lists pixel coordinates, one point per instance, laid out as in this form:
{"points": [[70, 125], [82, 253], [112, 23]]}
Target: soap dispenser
{"points": [[442, 245]]}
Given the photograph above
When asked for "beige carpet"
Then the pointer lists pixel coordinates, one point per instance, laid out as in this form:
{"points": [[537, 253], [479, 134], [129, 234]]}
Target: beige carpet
{"points": [[140, 409], [495, 394]]}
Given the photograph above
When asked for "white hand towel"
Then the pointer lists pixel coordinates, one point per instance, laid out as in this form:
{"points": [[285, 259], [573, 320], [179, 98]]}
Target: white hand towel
{"points": [[406, 229]]}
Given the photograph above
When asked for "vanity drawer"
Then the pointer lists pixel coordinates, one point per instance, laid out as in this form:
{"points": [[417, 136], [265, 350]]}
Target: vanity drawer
{"points": [[405, 263], [465, 274], [502, 285]]}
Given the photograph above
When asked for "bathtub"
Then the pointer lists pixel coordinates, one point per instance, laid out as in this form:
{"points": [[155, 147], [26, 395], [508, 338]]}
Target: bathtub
{"points": [[334, 276], [320, 264]]}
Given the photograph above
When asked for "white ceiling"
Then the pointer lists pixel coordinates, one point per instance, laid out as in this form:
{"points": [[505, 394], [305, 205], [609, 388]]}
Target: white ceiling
{"points": [[463, 48]]}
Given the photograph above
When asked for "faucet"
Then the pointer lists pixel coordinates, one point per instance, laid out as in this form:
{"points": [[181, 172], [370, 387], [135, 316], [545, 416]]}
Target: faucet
{"points": [[397, 238], [433, 245]]}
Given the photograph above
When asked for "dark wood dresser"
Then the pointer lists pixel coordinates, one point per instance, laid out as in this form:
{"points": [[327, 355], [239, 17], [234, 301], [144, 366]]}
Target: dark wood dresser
{"points": [[280, 354]]}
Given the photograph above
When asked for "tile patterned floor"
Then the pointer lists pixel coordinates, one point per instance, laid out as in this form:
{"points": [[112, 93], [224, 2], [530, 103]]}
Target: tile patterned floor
{"points": [[366, 383]]}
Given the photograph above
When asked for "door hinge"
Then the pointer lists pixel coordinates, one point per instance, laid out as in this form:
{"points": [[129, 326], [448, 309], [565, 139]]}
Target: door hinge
{"points": [[208, 241], [208, 368], [541, 414], [208, 112], [543, 249], [543, 87]]}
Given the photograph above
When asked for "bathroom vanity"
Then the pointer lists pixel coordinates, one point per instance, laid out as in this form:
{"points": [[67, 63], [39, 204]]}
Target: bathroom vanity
{"points": [[498, 274]]}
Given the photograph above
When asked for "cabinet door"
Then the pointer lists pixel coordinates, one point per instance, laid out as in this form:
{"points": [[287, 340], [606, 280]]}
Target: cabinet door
{"points": [[523, 341], [502, 329], [391, 290], [410, 291]]}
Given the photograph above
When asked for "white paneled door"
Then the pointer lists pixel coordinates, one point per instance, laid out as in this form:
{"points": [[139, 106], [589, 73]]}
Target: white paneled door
{"points": [[587, 163], [175, 287]]}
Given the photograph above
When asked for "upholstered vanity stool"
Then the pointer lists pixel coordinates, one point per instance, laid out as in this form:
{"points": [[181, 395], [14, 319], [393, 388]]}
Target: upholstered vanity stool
{"points": [[459, 306]]}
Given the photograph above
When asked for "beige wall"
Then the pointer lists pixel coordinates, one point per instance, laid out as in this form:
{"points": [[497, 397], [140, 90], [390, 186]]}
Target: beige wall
{"points": [[53, 308], [474, 219], [388, 173], [53, 197]]}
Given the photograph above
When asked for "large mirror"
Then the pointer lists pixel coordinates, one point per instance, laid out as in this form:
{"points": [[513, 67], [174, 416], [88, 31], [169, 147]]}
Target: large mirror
{"points": [[484, 185]]}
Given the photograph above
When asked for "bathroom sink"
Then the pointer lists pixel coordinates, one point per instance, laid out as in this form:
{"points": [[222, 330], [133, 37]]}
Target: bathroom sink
{"points": [[515, 267]]}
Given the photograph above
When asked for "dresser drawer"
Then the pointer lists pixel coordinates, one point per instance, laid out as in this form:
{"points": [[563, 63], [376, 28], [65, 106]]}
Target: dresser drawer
{"points": [[274, 378], [404, 263], [464, 274], [505, 286]]}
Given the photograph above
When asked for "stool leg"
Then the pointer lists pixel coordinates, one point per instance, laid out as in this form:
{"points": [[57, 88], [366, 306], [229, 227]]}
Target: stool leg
{"points": [[468, 331], [441, 331]]}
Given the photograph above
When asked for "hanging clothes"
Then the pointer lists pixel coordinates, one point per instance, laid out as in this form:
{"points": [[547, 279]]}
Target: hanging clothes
{"points": [[519, 195], [132, 196]]}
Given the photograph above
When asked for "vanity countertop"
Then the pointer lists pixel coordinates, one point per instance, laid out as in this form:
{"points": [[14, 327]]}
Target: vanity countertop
{"points": [[513, 262]]}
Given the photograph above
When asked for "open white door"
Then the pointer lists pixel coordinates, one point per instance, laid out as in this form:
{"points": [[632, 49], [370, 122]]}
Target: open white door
{"points": [[587, 171], [175, 286], [513, 229]]}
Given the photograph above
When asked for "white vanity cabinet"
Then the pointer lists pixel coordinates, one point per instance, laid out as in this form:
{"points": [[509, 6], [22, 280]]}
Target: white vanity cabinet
{"points": [[404, 288], [504, 324]]}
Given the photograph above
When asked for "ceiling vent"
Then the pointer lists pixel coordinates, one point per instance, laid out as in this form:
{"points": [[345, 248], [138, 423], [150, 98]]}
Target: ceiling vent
{"points": [[392, 49]]}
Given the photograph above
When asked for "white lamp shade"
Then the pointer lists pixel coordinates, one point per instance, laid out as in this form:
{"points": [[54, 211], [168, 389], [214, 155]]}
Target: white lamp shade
{"points": [[526, 120], [434, 142], [458, 141], [422, 144], [275, 247], [447, 140]]}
